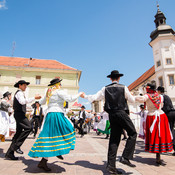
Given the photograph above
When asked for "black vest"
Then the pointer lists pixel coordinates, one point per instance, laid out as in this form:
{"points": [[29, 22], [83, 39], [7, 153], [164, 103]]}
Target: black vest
{"points": [[17, 106], [115, 98], [167, 104], [84, 115]]}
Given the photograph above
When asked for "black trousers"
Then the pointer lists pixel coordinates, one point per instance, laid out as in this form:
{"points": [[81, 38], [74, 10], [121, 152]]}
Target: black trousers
{"points": [[119, 121], [80, 128], [171, 119], [35, 123], [23, 128]]}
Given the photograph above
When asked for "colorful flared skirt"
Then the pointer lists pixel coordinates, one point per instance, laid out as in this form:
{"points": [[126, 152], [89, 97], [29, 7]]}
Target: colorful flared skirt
{"points": [[106, 129], [160, 139], [56, 138]]}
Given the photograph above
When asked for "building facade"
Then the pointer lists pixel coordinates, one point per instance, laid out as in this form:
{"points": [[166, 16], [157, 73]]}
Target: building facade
{"points": [[39, 73]]}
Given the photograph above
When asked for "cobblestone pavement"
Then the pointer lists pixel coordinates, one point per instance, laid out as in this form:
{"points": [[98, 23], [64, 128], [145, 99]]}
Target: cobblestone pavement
{"points": [[88, 158]]}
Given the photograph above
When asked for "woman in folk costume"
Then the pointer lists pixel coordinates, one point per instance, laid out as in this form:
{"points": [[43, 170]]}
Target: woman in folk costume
{"points": [[4, 117], [58, 135], [104, 125], [158, 135], [142, 113]]}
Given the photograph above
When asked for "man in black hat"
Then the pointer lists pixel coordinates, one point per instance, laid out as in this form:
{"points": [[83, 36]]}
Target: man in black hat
{"points": [[169, 111], [116, 96], [23, 126], [82, 117]]}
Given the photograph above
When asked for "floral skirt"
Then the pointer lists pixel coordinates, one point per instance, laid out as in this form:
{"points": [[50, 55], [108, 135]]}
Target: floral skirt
{"points": [[56, 138], [160, 139]]}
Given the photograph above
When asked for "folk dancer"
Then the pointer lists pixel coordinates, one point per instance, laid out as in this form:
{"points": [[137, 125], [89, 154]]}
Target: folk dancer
{"points": [[169, 111], [142, 113], [4, 116], [158, 135], [116, 96], [37, 118], [23, 126], [57, 136]]}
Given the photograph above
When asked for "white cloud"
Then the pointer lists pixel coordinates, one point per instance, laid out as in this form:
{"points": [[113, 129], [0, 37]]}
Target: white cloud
{"points": [[3, 4]]}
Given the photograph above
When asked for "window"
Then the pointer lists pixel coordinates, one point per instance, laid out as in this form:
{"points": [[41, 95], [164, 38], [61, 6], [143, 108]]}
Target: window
{"points": [[158, 63], [160, 81], [168, 61], [38, 79], [171, 79]]}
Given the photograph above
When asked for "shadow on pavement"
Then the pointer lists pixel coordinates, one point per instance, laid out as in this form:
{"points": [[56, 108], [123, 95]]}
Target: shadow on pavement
{"points": [[2, 154], [32, 167], [87, 164], [140, 147], [148, 161]]}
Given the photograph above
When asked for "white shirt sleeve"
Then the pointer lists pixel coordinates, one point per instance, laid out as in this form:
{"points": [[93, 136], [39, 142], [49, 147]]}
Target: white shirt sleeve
{"points": [[141, 99], [21, 99], [96, 97], [42, 101], [128, 95], [66, 97]]}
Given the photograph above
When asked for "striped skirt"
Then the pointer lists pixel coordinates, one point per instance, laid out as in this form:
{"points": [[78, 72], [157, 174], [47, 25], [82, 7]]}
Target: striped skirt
{"points": [[56, 138], [160, 139]]}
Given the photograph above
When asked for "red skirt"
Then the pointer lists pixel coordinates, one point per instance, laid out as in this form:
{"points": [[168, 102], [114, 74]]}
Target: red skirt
{"points": [[160, 139]]}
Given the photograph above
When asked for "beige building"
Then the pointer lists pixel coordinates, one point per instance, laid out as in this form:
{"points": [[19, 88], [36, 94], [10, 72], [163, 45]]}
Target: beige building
{"points": [[38, 72]]}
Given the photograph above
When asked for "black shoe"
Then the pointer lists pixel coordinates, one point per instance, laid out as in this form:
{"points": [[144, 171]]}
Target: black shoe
{"points": [[81, 136], [126, 162], [60, 157], [11, 157], [173, 154], [124, 138], [113, 170], [19, 151]]}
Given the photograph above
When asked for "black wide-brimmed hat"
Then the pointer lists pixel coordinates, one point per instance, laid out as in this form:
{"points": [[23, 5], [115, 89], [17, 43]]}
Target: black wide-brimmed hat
{"points": [[21, 82], [54, 81], [151, 86], [6, 94], [142, 106], [161, 89], [83, 107], [115, 74]]}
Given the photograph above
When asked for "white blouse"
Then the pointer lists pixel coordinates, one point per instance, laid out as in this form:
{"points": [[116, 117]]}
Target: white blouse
{"points": [[57, 99]]}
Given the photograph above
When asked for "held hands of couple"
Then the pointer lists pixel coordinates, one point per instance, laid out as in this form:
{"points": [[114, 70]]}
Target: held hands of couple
{"points": [[82, 94], [37, 96]]}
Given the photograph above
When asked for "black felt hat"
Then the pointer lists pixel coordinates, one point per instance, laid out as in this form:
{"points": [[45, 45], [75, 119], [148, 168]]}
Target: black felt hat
{"points": [[142, 106], [161, 89], [151, 86], [21, 82], [54, 81], [115, 74], [83, 107], [6, 94]]}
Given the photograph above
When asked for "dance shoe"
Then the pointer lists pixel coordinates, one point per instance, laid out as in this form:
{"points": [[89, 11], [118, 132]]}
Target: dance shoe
{"points": [[43, 164], [60, 157], [126, 162], [19, 151], [11, 157], [113, 170]]}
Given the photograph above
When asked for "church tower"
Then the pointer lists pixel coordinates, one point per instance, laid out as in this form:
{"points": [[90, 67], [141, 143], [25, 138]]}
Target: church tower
{"points": [[163, 45]]}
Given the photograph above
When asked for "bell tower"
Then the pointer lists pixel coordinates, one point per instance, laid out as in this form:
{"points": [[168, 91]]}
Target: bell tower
{"points": [[163, 45]]}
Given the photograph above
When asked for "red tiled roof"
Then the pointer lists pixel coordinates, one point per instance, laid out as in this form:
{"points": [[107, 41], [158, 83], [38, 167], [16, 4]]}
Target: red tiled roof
{"points": [[142, 78], [77, 104], [36, 63]]}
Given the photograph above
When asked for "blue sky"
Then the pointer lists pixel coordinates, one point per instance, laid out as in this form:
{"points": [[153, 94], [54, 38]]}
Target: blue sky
{"points": [[94, 36]]}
